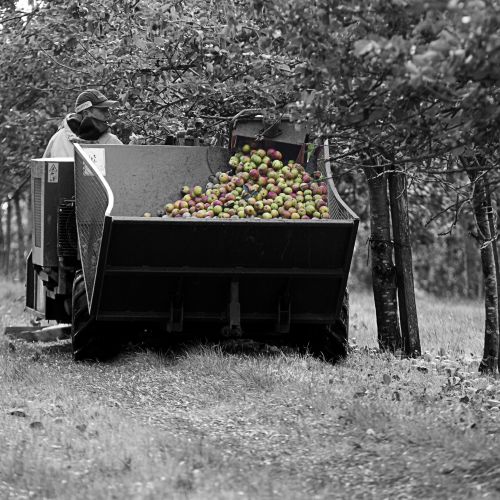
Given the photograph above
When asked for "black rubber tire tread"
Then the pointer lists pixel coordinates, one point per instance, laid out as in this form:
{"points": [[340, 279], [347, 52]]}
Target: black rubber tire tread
{"points": [[87, 341]]}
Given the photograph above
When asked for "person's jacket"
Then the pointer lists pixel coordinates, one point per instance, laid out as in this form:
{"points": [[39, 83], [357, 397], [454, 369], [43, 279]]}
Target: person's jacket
{"points": [[61, 143]]}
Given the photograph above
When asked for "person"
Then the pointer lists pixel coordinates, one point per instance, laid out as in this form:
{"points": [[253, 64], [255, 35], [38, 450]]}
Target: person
{"points": [[88, 124]]}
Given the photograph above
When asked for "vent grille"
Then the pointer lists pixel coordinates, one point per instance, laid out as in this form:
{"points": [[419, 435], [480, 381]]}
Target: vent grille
{"points": [[37, 210], [67, 239]]}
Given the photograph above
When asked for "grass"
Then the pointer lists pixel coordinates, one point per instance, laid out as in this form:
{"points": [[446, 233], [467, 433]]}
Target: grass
{"points": [[201, 423], [452, 327]]}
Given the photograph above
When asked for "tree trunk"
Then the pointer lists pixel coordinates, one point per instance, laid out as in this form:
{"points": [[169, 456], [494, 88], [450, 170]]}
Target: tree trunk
{"points": [[8, 225], [482, 209], [404, 263], [465, 255], [20, 237], [2, 241], [493, 221], [383, 271]]}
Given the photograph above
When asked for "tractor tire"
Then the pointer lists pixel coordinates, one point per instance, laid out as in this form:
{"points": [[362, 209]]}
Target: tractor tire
{"points": [[89, 339]]}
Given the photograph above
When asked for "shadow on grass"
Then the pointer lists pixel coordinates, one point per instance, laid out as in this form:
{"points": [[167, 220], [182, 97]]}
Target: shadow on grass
{"points": [[254, 343], [173, 345]]}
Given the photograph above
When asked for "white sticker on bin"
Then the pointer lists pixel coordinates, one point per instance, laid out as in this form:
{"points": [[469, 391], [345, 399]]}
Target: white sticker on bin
{"points": [[98, 158], [53, 172]]}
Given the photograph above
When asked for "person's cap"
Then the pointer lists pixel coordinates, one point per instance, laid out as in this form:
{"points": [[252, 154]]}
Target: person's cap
{"points": [[93, 98]]}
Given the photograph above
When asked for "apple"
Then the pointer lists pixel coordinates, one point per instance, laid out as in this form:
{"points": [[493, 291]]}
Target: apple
{"points": [[262, 169], [234, 161], [249, 210], [246, 148], [256, 159], [254, 174]]}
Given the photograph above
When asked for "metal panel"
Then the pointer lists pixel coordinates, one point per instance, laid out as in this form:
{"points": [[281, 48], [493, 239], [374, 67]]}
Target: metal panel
{"points": [[285, 132], [198, 259], [52, 181], [92, 200], [145, 178]]}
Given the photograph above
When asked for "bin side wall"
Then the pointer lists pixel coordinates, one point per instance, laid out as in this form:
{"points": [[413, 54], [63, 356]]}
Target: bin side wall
{"points": [[145, 178]]}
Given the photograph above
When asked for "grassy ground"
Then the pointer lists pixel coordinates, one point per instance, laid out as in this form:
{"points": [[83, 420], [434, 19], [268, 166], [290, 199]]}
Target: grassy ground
{"points": [[203, 424], [452, 327]]}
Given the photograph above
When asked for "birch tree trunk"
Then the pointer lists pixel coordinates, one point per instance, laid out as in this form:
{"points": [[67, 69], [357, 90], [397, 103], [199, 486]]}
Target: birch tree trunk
{"points": [[404, 262], [482, 210], [383, 270]]}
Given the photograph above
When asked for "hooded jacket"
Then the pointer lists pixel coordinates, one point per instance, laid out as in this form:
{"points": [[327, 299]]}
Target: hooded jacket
{"points": [[61, 143]]}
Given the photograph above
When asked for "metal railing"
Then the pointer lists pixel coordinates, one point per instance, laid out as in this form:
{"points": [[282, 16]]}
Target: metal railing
{"points": [[337, 208]]}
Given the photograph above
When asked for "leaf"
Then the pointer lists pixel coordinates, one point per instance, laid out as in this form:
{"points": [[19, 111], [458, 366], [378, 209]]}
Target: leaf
{"points": [[362, 47]]}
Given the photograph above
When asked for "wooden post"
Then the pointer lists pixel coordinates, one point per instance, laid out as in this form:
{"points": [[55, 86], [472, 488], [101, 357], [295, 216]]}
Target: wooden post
{"points": [[403, 259]]}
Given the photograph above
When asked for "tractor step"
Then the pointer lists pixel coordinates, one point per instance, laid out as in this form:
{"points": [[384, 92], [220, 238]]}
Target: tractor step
{"points": [[38, 334]]}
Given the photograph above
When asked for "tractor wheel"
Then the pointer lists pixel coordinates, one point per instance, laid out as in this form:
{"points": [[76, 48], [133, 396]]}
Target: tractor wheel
{"points": [[330, 342], [89, 339]]}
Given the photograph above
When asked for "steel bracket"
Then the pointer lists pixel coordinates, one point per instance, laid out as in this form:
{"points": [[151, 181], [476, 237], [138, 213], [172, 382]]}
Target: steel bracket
{"points": [[176, 320], [234, 314], [284, 314]]}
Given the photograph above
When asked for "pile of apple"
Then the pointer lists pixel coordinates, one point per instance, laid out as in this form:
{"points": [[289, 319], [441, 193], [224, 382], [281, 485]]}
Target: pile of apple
{"points": [[259, 185]]}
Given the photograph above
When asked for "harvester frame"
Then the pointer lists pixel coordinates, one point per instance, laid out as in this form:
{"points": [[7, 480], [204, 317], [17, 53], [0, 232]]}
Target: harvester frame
{"points": [[98, 263]]}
